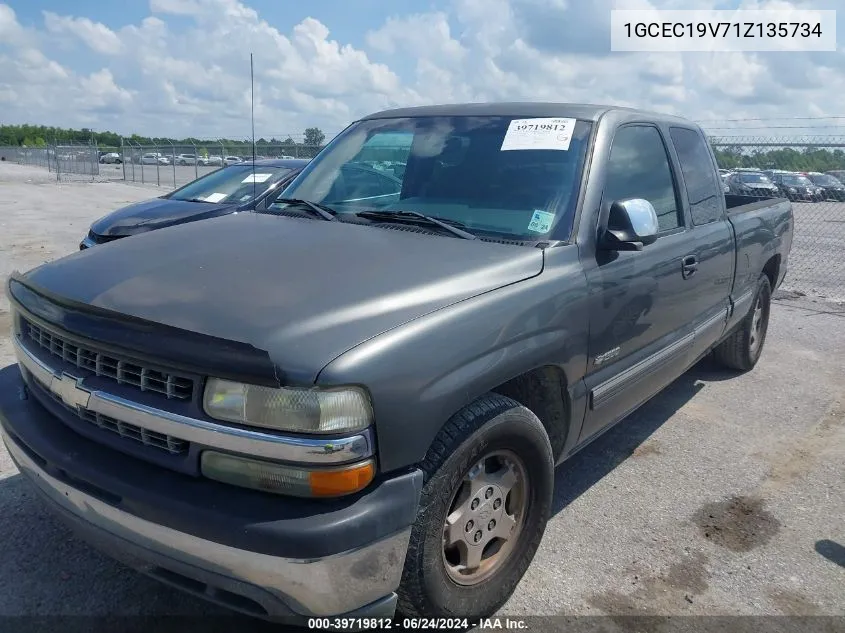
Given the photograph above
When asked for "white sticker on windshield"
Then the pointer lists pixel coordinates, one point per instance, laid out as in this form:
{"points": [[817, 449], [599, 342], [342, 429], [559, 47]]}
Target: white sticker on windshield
{"points": [[541, 222], [539, 134], [257, 178], [215, 197]]}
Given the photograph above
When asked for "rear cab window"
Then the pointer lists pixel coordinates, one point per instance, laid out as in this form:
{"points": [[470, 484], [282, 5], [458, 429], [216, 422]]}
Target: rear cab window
{"points": [[704, 194]]}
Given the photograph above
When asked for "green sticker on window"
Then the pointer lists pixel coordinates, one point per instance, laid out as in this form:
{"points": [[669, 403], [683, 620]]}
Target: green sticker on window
{"points": [[541, 222]]}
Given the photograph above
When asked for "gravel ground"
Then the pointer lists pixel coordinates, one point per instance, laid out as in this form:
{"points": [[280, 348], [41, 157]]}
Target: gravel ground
{"points": [[722, 496]]}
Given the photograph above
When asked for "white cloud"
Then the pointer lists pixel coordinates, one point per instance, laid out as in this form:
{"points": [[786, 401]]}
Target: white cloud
{"points": [[10, 30], [97, 36], [184, 69], [175, 7]]}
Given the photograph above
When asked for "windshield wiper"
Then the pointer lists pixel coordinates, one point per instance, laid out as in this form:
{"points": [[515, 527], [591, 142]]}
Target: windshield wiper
{"points": [[327, 213], [417, 218], [200, 200]]}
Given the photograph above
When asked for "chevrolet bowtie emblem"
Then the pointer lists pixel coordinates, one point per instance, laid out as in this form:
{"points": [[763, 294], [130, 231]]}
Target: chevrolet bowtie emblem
{"points": [[69, 389]]}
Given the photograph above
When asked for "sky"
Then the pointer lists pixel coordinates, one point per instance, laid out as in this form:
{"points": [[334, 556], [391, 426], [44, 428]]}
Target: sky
{"points": [[177, 68]]}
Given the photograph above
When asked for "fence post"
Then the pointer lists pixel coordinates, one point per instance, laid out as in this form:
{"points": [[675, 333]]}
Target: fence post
{"points": [[158, 172], [122, 159], [173, 160]]}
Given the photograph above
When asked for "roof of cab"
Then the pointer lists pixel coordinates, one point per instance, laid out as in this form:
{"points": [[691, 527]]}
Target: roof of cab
{"points": [[582, 111]]}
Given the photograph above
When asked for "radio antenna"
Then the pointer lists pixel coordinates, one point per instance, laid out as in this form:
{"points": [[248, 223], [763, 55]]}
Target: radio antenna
{"points": [[252, 116]]}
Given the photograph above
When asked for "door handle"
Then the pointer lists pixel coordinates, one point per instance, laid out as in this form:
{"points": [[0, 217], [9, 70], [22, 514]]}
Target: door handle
{"points": [[689, 265]]}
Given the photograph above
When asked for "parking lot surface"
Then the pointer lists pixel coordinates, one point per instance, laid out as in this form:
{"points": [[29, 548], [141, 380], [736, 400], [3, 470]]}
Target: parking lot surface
{"points": [[721, 496]]}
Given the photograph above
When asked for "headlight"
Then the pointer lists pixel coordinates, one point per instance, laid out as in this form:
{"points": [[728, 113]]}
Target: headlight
{"points": [[791, 190], [288, 409]]}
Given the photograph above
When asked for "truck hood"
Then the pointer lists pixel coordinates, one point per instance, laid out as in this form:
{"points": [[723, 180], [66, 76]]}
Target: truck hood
{"points": [[304, 291], [156, 214]]}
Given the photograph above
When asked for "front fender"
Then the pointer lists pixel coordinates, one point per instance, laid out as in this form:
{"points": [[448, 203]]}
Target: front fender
{"points": [[421, 373]]}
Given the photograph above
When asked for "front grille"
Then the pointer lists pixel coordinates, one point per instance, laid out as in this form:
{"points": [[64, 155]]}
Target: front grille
{"points": [[101, 364], [172, 445]]}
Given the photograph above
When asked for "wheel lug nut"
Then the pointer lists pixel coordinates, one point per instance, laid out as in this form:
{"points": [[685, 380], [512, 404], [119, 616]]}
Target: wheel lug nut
{"points": [[474, 504], [477, 536], [470, 525], [497, 504], [492, 524], [488, 493]]}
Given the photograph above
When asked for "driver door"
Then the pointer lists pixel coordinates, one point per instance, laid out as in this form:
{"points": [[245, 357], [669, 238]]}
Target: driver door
{"points": [[641, 302]]}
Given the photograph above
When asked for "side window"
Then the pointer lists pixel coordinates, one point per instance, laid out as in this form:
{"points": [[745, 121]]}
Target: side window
{"points": [[699, 175], [639, 168]]}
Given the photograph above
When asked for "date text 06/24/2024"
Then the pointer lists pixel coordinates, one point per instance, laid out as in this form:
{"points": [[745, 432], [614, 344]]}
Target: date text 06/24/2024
{"points": [[431, 624]]}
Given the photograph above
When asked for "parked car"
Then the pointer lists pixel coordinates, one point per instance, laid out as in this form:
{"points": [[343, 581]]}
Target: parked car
{"points": [[213, 161], [111, 158], [186, 159], [751, 183], [219, 193], [796, 187], [342, 405], [838, 174], [830, 187], [723, 177], [231, 160], [153, 158]]}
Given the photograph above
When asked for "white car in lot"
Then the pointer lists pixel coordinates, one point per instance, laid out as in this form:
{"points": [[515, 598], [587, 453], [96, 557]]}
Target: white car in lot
{"points": [[232, 160], [186, 159], [111, 157], [210, 161], [154, 158]]}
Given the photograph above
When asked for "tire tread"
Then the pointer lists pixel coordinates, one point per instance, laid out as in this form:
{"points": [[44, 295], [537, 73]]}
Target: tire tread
{"points": [[411, 592]]}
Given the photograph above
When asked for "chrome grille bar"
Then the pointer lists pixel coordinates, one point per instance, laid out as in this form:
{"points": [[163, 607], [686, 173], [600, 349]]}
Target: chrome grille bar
{"points": [[161, 441], [124, 372]]}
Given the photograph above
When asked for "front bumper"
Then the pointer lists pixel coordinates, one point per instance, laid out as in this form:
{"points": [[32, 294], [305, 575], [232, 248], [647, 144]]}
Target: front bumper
{"points": [[143, 516]]}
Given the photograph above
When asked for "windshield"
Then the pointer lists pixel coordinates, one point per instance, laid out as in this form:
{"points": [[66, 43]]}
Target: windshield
{"points": [[825, 181], [800, 181], [231, 184], [753, 178], [506, 177]]}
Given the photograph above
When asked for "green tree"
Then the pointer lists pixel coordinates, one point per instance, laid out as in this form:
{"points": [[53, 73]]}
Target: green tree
{"points": [[314, 137]]}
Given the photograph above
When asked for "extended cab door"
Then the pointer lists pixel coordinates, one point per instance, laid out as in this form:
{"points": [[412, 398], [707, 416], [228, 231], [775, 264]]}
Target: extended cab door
{"points": [[715, 249], [642, 303]]}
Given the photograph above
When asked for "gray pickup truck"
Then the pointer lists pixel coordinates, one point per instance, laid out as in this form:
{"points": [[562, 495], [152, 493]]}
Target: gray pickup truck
{"points": [[351, 403]]}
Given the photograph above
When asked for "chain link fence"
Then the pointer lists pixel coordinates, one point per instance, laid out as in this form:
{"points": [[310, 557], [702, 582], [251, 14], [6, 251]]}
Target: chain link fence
{"points": [[173, 165], [68, 162], [163, 164], [810, 171]]}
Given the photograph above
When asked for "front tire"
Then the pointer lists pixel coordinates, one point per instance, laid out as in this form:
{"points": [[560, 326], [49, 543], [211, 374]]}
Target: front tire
{"points": [[489, 478], [742, 349]]}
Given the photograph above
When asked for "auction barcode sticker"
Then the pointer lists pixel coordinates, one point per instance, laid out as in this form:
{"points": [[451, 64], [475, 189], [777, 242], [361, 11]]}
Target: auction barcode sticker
{"points": [[538, 134], [710, 31], [257, 178]]}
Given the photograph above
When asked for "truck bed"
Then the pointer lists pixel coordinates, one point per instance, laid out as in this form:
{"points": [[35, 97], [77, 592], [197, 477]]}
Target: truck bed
{"points": [[762, 230]]}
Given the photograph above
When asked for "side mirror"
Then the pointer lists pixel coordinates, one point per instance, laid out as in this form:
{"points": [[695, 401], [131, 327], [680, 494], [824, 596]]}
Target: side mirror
{"points": [[631, 225]]}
